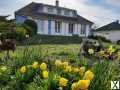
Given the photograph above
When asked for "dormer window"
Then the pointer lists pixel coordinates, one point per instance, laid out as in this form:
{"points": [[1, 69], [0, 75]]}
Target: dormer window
{"points": [[40, 9], [50, 10], [59, 11], [66, 13]]}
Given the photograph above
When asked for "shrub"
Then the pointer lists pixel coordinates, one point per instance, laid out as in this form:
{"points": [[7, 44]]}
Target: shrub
{"points": [[30, 26], [47, 39], [118, 42], [101, 38]]}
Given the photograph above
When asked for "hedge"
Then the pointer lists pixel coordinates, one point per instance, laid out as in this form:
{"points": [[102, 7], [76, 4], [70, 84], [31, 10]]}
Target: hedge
{"points": [[47, 39], [100, 38]]}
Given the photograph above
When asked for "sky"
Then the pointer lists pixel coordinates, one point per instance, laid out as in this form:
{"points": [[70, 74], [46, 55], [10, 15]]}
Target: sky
{"points": [[100, 12]]}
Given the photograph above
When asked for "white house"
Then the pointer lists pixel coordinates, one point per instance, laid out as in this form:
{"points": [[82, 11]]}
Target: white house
{"points": [[54, 20], [110, 31]]}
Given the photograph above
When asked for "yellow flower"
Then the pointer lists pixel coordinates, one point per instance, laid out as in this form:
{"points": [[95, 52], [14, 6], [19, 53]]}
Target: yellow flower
{"points": [[118, 55], [63, 82], [102, 53], [43, 66], [45, 74], [111, 50], [88, 75], [3, 68], [68, 69], [91, 51], [23, 69], [65, 64], [75, 86], [75, 70], [35, 65], [81, 71], [83, 84], [58, 63]]}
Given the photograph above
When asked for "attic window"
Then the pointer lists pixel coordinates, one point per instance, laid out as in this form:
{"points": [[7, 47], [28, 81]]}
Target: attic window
{"points": [[50, 10], [40, 9], [66, 12]]}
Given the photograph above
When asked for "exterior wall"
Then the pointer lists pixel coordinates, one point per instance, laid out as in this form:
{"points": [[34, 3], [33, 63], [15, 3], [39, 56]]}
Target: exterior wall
{"points": [[20, 19], [112, 35], [48, 28]]}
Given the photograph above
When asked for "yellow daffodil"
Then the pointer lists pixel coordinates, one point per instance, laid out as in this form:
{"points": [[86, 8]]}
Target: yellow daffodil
{"points": [[23, 69], [68, 69], [63, 82], [75, 70], [35, 65], [65, 64], [83, 84], [102, 53], [118, 56], [3, 68], [43, 66], [88, 75], [45, 74], [75, 86], [81, 71], [111, 50], [58, 63], [91, 51]]}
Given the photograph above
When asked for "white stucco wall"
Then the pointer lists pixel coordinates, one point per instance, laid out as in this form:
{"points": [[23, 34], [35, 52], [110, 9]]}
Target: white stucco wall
{"points": [[64, 28], [112, 35]]}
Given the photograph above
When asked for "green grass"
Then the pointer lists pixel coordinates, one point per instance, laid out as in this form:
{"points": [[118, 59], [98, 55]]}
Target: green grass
{"points": [[26, 55]]}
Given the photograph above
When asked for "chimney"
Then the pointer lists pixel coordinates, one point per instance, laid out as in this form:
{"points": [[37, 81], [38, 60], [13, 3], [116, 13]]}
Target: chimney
{"points": [[117, 21], [57, 3]]}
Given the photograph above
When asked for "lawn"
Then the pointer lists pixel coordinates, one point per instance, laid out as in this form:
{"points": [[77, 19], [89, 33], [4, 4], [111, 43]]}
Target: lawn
{"points": [[56, 67]]}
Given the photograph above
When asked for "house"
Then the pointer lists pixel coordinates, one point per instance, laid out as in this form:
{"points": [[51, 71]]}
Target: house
{"points": [[54, 20], [110, 31]]}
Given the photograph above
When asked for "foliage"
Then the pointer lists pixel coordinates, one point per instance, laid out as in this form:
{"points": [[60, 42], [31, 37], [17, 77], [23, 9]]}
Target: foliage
{"points": [[47, 39], [30, 26], [27, 63], [101, 38]]}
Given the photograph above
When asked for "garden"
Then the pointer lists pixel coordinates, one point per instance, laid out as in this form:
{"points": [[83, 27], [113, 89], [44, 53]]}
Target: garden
{"points": [[59, 67], [38, 62]]}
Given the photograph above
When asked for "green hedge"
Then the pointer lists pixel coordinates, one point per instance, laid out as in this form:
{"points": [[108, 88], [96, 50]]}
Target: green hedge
{"points": [[47, 39], [101, 38]]}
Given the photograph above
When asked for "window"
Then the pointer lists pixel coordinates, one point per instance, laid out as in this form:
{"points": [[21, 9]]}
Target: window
{"points": [[59, 11], [41, 26], [83, 29], [57, 26], [50, 10], [66, 12], [71, 27], [40, 9]]}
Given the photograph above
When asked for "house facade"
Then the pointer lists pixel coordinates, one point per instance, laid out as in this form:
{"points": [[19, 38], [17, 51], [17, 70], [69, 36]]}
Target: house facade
{"points": [[110, 31], [54, 20]]}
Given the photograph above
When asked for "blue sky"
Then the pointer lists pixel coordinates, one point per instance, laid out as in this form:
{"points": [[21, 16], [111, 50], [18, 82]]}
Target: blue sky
{"points": [[100, 12]]}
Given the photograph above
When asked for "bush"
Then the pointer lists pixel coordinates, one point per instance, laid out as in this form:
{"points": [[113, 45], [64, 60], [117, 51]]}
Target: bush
{"points": [[30, 26], [118, 42], [101, 38], [19, 34], [47, 39]]}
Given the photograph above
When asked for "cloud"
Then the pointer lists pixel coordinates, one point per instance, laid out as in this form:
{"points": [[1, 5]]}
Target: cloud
{"points": [[113, 2], [96, 13]]}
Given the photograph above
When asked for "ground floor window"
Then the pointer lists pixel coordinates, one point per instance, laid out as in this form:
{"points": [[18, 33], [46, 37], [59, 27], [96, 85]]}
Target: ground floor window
{"points": [[83, 29], [57, 26], [71, 27], [41, 25]]}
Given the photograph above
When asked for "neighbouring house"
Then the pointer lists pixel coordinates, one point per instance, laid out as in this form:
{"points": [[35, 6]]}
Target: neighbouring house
{"points": [[54, 20], [110, 31]]}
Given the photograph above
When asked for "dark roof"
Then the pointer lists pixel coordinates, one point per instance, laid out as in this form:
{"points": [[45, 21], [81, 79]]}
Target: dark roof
{"points": [[31, 10], [112, 26]]}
